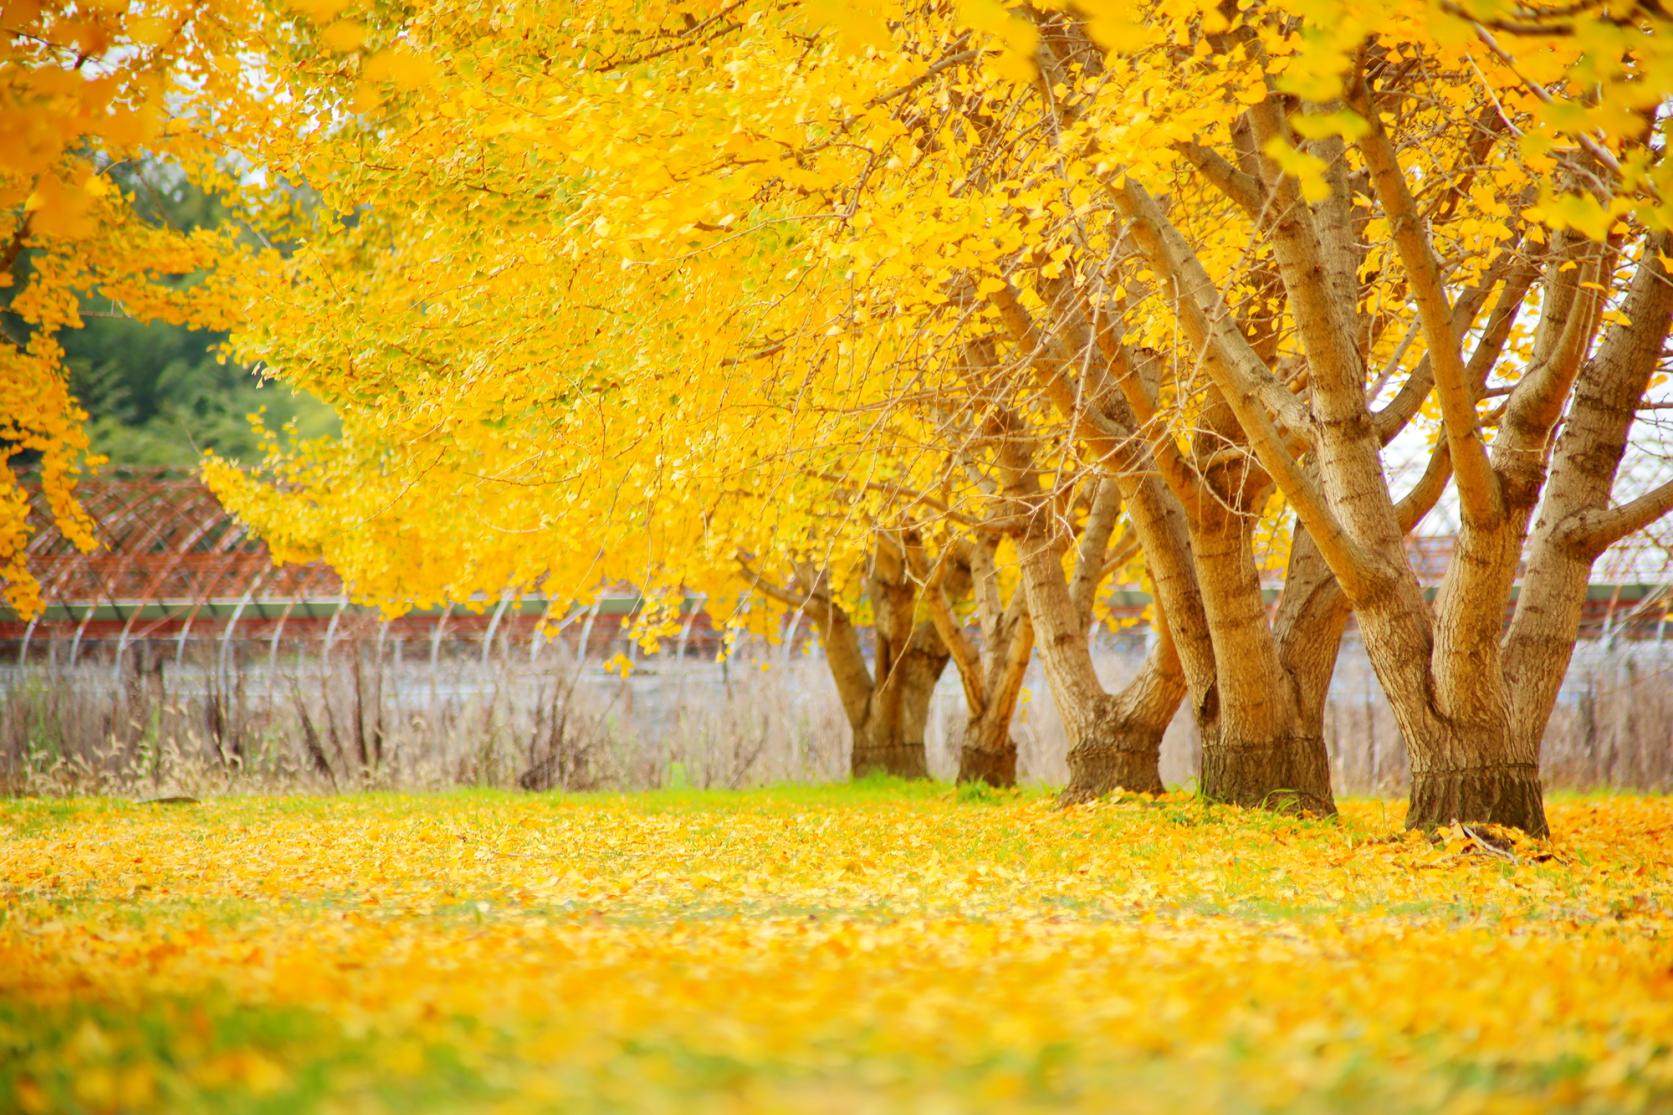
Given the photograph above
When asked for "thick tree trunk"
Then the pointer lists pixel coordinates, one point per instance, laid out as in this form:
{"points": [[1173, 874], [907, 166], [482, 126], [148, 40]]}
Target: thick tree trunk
{"points": [[1506, 794], [1258, 752], [1479, 774], [987, 753], [1284, 772], [1262, 735], [1312, 614], [1116, 739], [991, 675], [888, 707], [889, 736], [884, 748], [889, 739], [1576, 523]]}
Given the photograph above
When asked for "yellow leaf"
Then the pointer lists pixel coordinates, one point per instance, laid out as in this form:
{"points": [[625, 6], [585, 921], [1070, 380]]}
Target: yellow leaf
{"points": [[367, 98], [858, 26], [151, 30], [343, 36], [1346, 123], [320, 11], [60, 211], [1307, 169], [405, 70]]}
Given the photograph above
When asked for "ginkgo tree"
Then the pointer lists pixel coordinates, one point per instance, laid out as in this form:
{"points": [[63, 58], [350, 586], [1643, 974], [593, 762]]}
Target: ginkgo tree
{"points": [[563, 395], [461, 299], [1231, 250], [568, 402], [1471, 697]]}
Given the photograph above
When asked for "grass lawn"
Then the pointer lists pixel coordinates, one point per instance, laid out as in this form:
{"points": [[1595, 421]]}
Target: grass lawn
{"points": [[845, 949]]}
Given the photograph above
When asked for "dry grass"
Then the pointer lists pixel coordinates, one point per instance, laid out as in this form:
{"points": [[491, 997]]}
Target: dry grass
{"points": [[213, 723]]}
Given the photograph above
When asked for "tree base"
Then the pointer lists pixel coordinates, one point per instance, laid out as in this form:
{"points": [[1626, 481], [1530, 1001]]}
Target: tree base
{"points": [[1096, 771], [997, 766], [1286, 776], [1500, 795], [902, 760]]}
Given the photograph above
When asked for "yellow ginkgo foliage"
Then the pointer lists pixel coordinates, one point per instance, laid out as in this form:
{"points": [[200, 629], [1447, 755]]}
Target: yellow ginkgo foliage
{"points": [[87, 93]]}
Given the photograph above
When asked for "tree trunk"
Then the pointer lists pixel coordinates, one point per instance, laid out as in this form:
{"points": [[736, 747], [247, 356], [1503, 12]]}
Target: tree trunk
{"points": [[890, 738], [887, 708], [1258, 752], [992, 674], [881, 748], [1286, 772], [1480, 774], [987, 752], [1116, 739], [1207, 585], [1312, 614], [1576, 523]]}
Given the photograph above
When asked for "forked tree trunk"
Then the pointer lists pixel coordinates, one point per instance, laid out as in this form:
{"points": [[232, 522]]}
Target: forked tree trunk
{"points": [[991, 674], [889, 739], [1115, 739], [987, 750], [1342, 495], [987, 753], [887, 708], [909, 658], [1257, 748], [1261, 751], [1288, 767]]}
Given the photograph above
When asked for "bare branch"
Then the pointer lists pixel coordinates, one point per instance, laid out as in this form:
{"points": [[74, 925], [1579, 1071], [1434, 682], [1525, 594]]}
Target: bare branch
{"points": [[1243, 189], [1478, 486], [1248, 386], [1598, 529], [1094, 543]]}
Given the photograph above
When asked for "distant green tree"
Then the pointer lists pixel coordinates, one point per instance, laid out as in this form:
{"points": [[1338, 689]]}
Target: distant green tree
{"points": [[159, 394]]}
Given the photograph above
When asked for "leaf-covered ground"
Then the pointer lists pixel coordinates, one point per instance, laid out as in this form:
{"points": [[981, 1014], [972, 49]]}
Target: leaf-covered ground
{"points": [[849, 949]]}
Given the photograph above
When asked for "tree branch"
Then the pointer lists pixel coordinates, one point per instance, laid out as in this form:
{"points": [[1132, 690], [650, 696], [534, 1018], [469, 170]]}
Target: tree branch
{"points": [[1248, 385], [964, 655], [1478, 486], [772, 589], [1093, 544], [1597, 530], [1242, 189], [1400, 410]]}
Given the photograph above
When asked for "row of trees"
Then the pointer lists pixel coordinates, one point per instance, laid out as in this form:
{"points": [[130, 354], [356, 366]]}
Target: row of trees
{"points": [[939, 317]]}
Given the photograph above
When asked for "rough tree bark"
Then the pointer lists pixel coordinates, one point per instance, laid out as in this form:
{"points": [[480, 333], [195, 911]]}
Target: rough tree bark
{"points": [[1115, 739], [991, 673], [1260, 746], [888, 707], [1195, 517]]}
